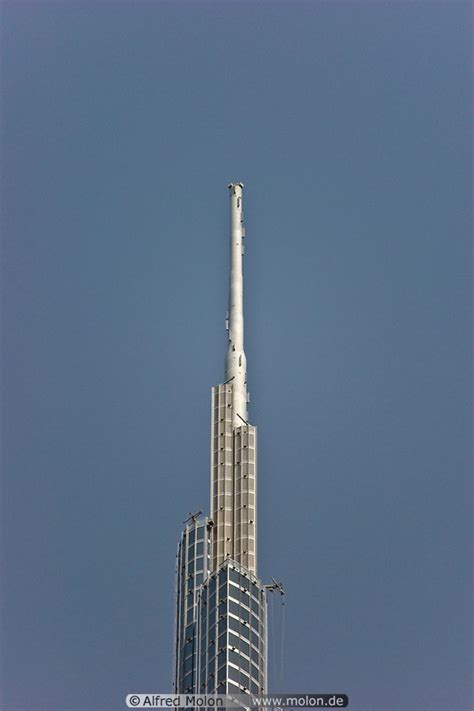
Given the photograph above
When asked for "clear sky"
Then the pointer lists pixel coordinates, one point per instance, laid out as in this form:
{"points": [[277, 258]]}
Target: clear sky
{"points": [[349, 123]]}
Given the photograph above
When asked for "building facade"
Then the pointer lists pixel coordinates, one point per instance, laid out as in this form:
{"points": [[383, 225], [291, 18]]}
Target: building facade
{"points": [[192, 567], [221, 605], [232, 632]]}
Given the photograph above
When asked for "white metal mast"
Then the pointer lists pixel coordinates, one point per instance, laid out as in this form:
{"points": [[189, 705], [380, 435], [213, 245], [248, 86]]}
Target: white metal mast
{"points": [[236, 362]]}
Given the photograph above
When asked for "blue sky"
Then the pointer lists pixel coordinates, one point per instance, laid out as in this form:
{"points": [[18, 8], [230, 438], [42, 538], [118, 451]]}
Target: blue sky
{"points": [[349, 123]]}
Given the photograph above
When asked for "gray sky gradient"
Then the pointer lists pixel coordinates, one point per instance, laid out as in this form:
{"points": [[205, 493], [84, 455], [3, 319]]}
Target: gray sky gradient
{"points": [[349, 123]]}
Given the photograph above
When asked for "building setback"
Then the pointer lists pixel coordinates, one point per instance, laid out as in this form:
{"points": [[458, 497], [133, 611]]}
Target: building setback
{"points": [[221, 605]]}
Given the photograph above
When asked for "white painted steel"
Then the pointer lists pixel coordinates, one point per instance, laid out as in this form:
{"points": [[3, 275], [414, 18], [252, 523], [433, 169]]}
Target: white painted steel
{"points": [[236, 362]]}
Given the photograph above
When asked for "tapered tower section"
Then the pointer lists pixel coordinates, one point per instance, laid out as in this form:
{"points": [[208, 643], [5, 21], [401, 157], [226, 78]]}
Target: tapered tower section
{"points": [[221, 605], [233, 438]]}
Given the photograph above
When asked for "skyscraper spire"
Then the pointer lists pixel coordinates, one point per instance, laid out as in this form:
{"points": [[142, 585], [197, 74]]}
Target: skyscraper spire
{"points": [[221, 605], [236, 362], [233, 439]]}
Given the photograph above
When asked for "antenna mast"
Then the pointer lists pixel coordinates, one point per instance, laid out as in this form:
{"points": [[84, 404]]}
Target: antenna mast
{"points": [[236, 362]]}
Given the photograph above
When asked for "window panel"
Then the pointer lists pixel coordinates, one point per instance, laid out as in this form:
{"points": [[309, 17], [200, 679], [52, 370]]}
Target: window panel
{"points": [[189, 631], [222, 625], [233, 640], [234, 657], [244, 582], [245, 665], [244, 631], [234, 576], [233, 674], [244, 679], [221, 658], [234, 607], [234, 624], [234, 593], [244, 647]]}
